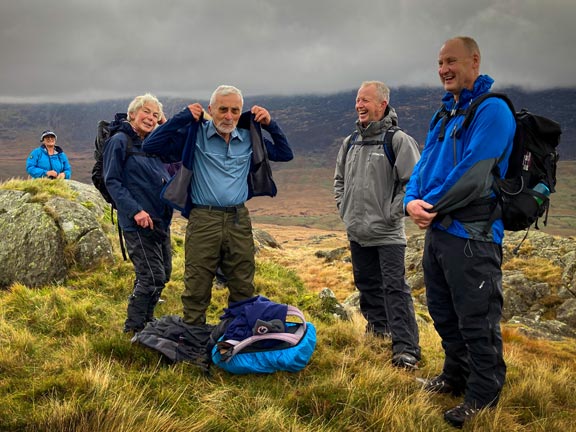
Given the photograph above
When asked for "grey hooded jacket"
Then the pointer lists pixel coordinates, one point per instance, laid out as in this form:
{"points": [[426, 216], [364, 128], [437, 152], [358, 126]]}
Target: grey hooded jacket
{"points": [[369, 191]]}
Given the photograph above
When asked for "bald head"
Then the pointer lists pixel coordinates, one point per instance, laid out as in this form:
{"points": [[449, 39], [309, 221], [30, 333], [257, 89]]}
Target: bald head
{"points": [[459, 64]]}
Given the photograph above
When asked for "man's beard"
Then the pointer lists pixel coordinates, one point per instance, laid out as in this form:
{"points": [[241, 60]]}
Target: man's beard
{"points": [[225, 129]]}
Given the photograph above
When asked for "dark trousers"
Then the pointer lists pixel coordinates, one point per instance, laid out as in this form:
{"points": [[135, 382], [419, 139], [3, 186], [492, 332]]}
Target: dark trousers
{"points": [[151, 255], [464, 291], [215, 237], [385, 299]]}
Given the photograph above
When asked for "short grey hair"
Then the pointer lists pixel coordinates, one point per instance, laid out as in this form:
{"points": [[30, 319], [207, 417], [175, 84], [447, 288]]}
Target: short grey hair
{"points": [[225, 90], [382, 89]]}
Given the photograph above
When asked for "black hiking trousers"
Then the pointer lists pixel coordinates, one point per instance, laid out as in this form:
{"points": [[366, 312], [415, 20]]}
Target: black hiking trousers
{"points": [[385, 298], [151, 255], [463, 280]]}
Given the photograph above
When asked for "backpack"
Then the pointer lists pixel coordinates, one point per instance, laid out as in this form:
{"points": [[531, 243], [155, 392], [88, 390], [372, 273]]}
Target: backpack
{"points": [[522, 196], [272, 344], [102, 137], [386, 143]]}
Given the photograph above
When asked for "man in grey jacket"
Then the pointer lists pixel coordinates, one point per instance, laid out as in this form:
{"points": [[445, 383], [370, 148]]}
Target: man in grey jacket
{"points": [[369, 186]]}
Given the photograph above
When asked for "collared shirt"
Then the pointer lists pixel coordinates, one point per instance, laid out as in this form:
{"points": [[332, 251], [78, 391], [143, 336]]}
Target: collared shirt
{"points": [[221, 169]]}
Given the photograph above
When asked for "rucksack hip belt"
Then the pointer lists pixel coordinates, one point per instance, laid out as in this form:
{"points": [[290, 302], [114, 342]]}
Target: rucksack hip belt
{"points": [[476, 211]]}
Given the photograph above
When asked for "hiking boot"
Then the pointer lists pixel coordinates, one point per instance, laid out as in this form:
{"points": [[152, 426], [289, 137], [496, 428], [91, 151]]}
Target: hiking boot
{"points": [[439, 384], [132, 330], [405, 361], [460, 414]]}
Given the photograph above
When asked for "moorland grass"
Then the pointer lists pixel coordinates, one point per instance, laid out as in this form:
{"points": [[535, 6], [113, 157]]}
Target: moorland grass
{"points": [[65, 365]]}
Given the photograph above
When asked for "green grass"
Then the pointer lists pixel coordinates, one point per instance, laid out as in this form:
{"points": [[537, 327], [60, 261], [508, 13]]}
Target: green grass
{"points": [[66, 366]]}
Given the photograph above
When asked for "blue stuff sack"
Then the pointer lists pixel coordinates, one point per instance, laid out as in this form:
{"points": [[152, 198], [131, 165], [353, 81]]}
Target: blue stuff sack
{"points": [[289, 350]]}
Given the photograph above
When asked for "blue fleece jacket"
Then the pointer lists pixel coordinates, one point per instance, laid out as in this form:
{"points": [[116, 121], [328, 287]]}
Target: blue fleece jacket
{"points": [[39, 162], [458, 169]]}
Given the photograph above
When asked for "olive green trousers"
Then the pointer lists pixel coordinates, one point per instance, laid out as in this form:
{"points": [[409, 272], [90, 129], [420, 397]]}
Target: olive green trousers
{"points": [[216, 237]]}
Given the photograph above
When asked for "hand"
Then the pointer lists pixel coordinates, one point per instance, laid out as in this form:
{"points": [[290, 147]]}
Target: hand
{"points": [[143, 220], [196, 110], [61, 175], [420, 214], [51, 174], [261, 115]]}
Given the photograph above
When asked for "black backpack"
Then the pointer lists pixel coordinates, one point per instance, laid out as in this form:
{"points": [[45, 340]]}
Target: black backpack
{"points": [[102, 137], [523, 195]]}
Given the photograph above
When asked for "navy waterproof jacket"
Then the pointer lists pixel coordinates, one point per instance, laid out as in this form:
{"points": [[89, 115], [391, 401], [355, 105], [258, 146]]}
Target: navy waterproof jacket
{"points": [[133, 179], [176, 139]]}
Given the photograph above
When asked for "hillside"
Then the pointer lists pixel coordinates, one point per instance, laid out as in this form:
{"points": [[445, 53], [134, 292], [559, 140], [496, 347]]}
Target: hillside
{"points": [[66, 366], [315, 124]]}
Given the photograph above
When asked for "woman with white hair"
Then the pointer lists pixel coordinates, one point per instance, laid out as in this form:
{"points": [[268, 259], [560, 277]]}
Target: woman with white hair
{"points": [[134, 180]]}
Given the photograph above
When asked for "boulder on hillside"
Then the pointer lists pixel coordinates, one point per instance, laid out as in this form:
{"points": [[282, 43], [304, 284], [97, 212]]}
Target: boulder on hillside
{"points": [[541, 309], [43, 238]]}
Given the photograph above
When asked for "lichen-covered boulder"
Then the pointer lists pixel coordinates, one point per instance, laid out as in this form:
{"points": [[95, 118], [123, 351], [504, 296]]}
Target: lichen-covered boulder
{"points": [[43, 238]]}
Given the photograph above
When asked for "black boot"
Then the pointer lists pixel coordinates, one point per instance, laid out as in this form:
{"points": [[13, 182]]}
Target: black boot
{"points": [[136, 313], [152, 305]]}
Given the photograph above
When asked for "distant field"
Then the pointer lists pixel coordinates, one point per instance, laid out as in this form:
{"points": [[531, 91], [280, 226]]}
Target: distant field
{"points": [[305, 199], [305, 194]]}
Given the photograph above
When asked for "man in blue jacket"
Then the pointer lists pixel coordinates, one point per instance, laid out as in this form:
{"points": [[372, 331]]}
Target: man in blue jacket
{"points": [[462, 259], [225, 161]]}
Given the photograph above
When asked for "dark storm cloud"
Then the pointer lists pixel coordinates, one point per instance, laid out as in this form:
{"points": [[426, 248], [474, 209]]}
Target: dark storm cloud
{"points": [[74, 50]]}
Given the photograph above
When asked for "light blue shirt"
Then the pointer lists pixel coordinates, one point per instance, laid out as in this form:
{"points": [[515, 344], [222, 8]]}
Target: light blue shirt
{"points": [[221, 169]]}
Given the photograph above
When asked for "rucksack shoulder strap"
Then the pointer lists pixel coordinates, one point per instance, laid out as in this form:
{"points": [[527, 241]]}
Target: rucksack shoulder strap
{"points": [[386, 142], [444, 114], [291, 339], [471, 110]]}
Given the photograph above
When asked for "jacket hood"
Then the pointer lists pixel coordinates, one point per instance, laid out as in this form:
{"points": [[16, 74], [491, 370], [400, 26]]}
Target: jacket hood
{"points": [[58, 149], [121, 124], [482, 85], [376, 128]]}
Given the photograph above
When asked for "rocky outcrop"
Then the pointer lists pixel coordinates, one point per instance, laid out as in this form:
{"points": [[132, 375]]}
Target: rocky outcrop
{"points": [[543, 307], [44, 236]]}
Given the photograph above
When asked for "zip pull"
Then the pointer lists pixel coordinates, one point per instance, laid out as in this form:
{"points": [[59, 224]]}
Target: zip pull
{"points": [[453, 133]]}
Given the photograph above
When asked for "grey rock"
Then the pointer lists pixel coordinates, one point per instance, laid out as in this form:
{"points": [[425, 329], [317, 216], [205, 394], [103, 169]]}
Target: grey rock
{"points": [[44, 238]]}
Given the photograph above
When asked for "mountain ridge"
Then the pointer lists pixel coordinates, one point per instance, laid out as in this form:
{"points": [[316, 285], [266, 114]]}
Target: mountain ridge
{"points": [[314, 124]]}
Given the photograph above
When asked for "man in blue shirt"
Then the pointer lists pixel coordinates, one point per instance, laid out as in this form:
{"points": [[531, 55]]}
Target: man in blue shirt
{"points": [[225, 161]]}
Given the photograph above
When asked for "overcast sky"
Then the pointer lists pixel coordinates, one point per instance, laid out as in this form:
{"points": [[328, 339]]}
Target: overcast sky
{"points": [[84, 50]]}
